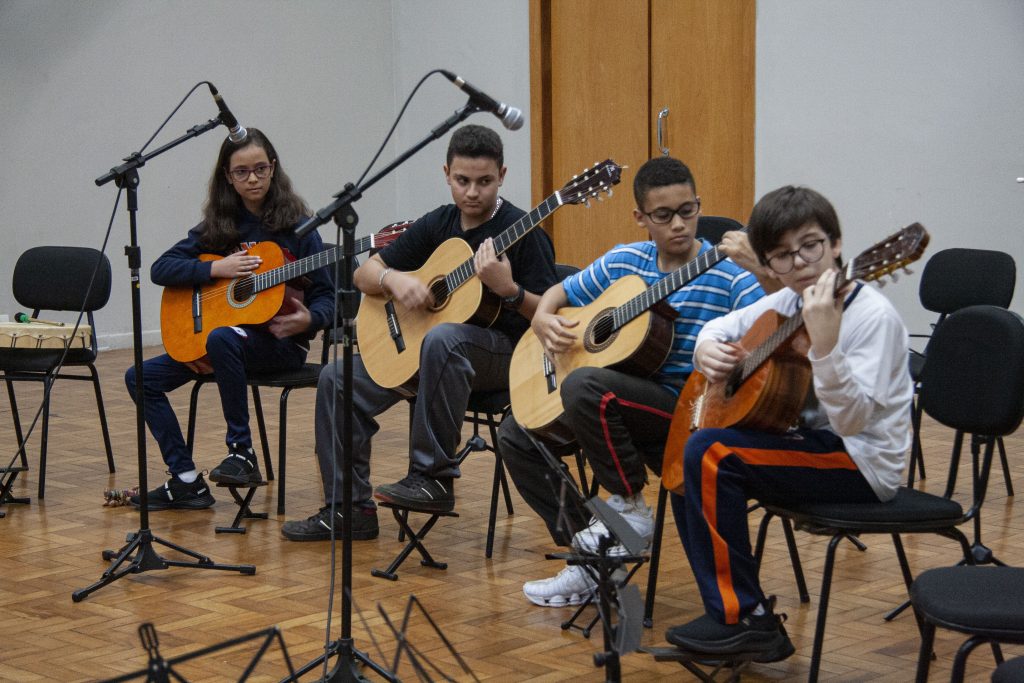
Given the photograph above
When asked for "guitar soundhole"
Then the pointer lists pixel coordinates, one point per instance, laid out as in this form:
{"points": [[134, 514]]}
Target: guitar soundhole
{"points": [[600, 332], [240, 292], [439, 289]]}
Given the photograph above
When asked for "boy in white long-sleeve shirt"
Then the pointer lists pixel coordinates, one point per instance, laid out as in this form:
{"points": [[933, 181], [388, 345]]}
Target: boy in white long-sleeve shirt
{"points": [[850, 448]]}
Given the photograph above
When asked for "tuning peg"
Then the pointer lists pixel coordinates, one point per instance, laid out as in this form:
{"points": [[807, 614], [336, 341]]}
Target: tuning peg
{"points": [[586, 202], [882, 282], [609, 191], [907, 270], [895, 276]]}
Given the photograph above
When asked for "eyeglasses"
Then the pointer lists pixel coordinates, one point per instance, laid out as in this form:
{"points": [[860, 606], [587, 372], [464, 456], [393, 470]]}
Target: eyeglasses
{"points": [[686, 210], [240, 175], [810, 252]]}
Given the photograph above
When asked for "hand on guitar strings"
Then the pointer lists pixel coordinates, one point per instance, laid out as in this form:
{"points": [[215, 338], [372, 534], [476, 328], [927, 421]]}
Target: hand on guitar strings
{"points": [[235, 265], [717, 359], [553, 331], [494, 271], [823, 312]]}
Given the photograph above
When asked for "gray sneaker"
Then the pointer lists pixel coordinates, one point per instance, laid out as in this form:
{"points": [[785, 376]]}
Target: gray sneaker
{"points": [[318, 527]]}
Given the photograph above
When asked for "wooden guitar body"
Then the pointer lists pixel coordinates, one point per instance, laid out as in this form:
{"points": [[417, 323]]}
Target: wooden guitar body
{"points": [[769, 400], [189, 314], [392, 356], [639, 348]]}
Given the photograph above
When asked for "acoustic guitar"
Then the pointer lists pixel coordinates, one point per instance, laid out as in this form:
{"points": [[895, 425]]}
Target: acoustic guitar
{"points": [[629, 327], [189, 314], [390, 335], [768, 388]]}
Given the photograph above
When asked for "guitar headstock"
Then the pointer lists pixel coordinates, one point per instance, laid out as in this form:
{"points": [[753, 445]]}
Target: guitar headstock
{"points": [[591, 183], [390, 233], [894, 252]]}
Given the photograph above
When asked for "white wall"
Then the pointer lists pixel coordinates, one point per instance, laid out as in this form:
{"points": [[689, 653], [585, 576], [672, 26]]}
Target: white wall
{"points": [[898, 111], [84, 84]]}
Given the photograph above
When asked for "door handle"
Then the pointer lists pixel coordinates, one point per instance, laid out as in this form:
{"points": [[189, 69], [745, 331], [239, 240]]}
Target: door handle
{"points": [[661, 115]]}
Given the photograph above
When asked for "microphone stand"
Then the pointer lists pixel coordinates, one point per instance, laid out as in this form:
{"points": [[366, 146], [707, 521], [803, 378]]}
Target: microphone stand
{"points": [[341, 212], [141, 542]]}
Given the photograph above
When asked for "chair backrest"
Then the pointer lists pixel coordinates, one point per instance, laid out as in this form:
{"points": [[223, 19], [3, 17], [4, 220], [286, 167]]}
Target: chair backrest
{"points": [[957, 278], [973, 376], [564, 270], [712, 228], [56, 279]]}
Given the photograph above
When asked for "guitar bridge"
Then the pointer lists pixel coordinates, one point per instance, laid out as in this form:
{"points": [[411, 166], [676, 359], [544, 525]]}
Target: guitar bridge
{"points": [[549, 373], [696, 412], [393, 327], [197, 310]]}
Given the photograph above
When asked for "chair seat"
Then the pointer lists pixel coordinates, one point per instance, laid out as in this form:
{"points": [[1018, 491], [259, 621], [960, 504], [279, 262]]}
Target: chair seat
{"points": [[41, 360], [492, 402], [910, 510], [916, 363], [981, 600], [307, 374]]}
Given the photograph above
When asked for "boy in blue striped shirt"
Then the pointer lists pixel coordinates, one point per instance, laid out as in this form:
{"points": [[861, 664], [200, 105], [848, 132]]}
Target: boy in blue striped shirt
{"points": [[621, 421]]}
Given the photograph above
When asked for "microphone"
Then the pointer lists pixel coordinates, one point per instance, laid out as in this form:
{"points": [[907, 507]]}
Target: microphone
{"points": [[25, 318], [511, 117], [236, 133]]}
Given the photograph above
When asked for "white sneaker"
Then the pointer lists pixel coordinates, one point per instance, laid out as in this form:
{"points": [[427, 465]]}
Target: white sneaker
{"points": [[634, 510], [571, 586]]}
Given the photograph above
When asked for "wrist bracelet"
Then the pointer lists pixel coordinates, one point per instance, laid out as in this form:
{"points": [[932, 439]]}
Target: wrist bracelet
{"points": [[380, 280]]}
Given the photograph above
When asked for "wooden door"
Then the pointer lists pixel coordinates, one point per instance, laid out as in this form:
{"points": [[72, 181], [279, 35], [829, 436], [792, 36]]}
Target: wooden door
{"points": [[600, 72]]}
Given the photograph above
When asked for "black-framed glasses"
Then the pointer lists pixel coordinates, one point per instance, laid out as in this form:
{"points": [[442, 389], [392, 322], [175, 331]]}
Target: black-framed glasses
{"points": [[686, 210], [240, 175], [810, 252]]}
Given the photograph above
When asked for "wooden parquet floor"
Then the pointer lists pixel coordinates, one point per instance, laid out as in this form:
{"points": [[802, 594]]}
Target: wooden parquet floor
{"points": [[52, 547]]}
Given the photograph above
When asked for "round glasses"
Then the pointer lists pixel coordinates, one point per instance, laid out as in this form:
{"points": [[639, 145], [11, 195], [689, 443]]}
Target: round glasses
{"points": [[240, 175], [810, 252], [685, 211]]}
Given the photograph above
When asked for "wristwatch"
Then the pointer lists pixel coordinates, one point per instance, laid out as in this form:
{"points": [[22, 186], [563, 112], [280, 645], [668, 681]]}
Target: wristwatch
{"points": [[516, 300]]}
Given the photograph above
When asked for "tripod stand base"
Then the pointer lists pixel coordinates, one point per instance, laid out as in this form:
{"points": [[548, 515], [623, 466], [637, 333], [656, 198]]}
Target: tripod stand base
{"points": [[146, 558], [347, 668]]}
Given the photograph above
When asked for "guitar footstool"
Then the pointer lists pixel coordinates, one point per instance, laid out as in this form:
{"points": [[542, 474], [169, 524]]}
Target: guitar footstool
{"points": [[692, 661], [401, 515], [243, 506]]}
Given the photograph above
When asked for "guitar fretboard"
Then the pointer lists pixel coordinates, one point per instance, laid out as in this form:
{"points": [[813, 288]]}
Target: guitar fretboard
{"points": [[299, 267], [665, 286], [504, 241]]}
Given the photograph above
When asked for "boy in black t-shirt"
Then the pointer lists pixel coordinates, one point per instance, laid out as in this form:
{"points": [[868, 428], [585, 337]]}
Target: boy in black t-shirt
{"points": [[455, 359]]}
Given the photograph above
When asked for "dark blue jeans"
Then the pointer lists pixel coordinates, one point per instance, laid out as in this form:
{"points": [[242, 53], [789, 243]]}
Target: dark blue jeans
{"points": [[232, 355]]}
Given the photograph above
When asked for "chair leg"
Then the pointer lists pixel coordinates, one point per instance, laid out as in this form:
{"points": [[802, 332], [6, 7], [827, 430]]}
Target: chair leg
{"points": [[103, 417], [924, 655], [1006, 468], [492, 518], [794, 559], [17, 421], [652, 571], [261, 423], [916, 451], [819, 627], [282, 446], [47, 385], [193, 404], [960, 661]]}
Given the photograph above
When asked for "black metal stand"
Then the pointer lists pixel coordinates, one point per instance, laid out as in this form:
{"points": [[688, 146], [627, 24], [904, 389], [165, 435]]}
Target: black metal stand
{"points": [[349, 659], [140, 543], [160, 670], [243, 507]]}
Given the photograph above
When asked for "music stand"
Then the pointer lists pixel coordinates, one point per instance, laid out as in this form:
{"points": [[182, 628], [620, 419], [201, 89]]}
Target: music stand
{"points": [[140, 543], [158, 669], [624, 637], [344, 216]]}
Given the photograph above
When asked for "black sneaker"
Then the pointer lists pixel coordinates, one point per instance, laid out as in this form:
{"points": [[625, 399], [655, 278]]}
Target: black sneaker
{"points": [[318, 527], [175, 494], [762, 636], [239, 468], [419, 492]]}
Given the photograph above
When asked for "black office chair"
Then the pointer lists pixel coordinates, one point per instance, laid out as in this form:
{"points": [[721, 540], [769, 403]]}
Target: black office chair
{"points": [[1010, 671], [953, 279], [56, 279], [986, 603], [712, 228], [973, 382]]}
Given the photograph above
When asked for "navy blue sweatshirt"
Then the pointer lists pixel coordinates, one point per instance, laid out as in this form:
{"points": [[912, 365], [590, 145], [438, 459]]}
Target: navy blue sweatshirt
{"points": [[180, 266]]}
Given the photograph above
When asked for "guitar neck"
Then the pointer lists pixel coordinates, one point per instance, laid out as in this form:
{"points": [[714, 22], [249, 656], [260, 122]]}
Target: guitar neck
{"points": [[787, 329], [661, 289], [506, 239], [299, 267]]}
